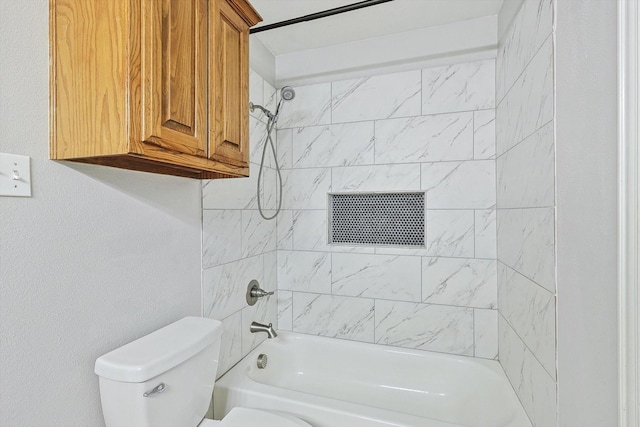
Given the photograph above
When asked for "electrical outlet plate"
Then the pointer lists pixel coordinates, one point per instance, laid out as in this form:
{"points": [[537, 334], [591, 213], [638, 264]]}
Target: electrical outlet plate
{"points": [[15, 175]]}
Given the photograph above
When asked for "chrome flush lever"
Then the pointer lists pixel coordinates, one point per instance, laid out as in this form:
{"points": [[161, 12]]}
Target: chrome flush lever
{"points": [[157, 389], [254, 292]]}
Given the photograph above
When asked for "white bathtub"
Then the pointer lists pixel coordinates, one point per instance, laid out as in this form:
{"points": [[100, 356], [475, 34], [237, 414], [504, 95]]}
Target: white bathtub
{"points": [[335, 383]]}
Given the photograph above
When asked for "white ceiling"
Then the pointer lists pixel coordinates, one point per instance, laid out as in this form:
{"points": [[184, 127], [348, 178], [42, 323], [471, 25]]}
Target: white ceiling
{"points": [[383, 19]]}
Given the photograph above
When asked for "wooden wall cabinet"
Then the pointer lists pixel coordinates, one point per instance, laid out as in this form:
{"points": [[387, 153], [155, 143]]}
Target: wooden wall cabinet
{"points": [[153, 85]]}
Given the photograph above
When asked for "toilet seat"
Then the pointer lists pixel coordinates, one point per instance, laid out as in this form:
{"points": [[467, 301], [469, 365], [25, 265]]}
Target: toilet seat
{"points": [[247, 417]]}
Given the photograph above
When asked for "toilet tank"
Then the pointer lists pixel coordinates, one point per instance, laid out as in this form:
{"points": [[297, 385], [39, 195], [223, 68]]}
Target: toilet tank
{"points": [[179, 361]]}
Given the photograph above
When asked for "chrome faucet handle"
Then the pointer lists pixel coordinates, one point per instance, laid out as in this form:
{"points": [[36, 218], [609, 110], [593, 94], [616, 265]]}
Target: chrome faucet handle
{"points": [[259, 293], [254, 292]]}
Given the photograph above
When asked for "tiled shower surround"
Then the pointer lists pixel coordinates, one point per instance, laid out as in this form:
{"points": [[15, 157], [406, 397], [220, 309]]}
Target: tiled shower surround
{"points": [[526, 209], [424, 130], [484, 283], [238, 245]]}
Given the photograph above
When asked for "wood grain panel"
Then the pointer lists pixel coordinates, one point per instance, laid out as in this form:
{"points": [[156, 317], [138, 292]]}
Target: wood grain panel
{"points": [[138, 84], [178, 62], [232, 72], [230, 113], [174, 70], [149, 165], [88, 78], [181, 159]]}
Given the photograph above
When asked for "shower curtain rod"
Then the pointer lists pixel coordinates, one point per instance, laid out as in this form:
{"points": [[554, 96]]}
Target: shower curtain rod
{"points": [[318, 15]]}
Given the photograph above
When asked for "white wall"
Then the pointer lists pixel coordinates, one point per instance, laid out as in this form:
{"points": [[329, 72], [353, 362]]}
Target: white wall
{"points": [[586, 123], [97, 257], [262, 61], [456, 42]]}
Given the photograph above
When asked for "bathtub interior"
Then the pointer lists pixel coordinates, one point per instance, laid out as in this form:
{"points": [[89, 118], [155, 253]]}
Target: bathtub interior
{"points": [[458, 390]]}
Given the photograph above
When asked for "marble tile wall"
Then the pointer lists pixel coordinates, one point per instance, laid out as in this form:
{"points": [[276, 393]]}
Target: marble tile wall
{"points": [[238, 245], [525, 197], [427, 130]]}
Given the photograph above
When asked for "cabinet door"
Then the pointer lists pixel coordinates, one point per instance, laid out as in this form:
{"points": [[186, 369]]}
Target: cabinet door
{"points": [[174, 74], [229, 85]]}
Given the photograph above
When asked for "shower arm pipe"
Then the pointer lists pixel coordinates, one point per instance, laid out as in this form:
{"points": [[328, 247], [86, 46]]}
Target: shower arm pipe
{"points": [[266, 112], [319, 15]]}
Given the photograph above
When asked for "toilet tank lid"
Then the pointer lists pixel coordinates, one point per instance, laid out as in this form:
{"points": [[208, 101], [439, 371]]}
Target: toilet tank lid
{"points": [[159, 351]]}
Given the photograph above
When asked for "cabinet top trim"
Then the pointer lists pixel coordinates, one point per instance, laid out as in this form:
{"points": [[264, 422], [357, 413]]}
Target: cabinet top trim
{"points": [[246, 11]]}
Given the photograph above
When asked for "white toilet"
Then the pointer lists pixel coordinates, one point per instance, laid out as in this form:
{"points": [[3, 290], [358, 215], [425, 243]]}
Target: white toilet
{"points": [[166, 379]]}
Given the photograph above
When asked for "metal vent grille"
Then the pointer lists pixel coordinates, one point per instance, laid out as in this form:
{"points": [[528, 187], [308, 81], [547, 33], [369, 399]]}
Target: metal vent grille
{"points": [[377, 219]]}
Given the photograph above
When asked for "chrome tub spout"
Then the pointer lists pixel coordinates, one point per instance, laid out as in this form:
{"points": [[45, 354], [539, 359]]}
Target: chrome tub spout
{"points": [[259, 327]]}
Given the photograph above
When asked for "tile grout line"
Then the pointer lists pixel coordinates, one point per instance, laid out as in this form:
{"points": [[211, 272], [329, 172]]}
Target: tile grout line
{"points": [[524, 139], [524, 69], [526, 346], [382, 118], [460, 307], [553, 293]]}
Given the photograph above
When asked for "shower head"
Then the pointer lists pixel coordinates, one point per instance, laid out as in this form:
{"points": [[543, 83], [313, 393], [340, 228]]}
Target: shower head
{"points": [[287, 93]]}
